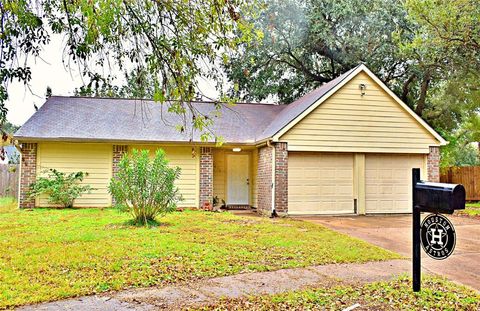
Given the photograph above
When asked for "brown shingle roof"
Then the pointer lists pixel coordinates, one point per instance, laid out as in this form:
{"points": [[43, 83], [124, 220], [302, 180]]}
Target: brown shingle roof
{"points": [[108, 119], [102, 119]]}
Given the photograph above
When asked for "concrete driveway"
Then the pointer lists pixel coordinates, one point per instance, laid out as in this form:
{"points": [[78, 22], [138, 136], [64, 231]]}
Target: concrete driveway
{"points": [[395, 233]]}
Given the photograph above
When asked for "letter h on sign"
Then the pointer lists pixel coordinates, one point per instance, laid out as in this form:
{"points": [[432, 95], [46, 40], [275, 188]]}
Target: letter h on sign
{"points": [[436, 237]]}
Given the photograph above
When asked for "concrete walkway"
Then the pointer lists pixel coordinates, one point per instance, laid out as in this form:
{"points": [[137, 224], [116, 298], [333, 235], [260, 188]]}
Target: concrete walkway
{"points": [[394, 232], [205, 292]]}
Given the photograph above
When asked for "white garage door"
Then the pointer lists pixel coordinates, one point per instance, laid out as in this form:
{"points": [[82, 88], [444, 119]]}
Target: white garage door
{"points": [[320, 183], [388, 179]]}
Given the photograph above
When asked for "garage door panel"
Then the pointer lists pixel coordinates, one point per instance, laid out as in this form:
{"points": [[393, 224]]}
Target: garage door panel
{"points": [[320, 183], [388, 182]]}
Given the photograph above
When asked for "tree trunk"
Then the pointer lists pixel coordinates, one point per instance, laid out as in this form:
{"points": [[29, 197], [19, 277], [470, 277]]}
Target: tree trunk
{"points": [[423, 93], [406, 88]]}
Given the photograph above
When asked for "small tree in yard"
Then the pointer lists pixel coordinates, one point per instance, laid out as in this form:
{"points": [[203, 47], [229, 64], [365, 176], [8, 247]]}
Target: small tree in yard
{"points": [[61, 188], [145, 187]]}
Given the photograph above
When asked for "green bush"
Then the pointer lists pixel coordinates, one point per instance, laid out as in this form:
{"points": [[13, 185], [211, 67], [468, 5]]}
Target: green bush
{"points": [[145, 187], [61, 188]]}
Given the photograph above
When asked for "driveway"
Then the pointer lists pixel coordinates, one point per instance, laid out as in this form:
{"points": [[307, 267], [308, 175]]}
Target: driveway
{"points": [[395, 233]]}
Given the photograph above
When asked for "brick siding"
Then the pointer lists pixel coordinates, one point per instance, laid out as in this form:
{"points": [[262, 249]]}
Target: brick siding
{"points": [[28, 174], [206, 176], [433, 164], [118, 152], [264, 180], [281, 178]]}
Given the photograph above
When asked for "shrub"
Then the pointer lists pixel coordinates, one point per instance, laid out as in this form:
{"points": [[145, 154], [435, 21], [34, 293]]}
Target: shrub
{"points": [[61, 188], [145, 188]]}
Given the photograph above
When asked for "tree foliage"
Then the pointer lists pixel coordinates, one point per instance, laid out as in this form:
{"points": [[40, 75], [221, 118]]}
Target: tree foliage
{"points": [[61, 188], [413, 47], [145, 188], [308, 43], [426, 51], [446, 40], [175, 43], [445, 45]]}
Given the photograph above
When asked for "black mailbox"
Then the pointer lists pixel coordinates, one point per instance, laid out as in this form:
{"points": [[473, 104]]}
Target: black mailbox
{"points": [[439, 197]]}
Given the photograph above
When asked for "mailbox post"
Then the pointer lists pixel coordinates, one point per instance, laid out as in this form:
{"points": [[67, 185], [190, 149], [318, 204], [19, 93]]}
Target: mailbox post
{"points": [[416, 256], [436, 198]]}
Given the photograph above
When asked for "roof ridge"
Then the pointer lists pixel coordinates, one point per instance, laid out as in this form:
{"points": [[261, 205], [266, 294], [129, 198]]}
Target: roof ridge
{"points": [[169, 100]]}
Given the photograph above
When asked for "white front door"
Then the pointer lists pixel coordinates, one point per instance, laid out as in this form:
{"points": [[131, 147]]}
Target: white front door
{"points": [[237, 179]]}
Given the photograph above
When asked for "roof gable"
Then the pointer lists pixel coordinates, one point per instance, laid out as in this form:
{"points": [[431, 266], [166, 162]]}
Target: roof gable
{"points": [[311, 105], [295, 109], [351, 122]]}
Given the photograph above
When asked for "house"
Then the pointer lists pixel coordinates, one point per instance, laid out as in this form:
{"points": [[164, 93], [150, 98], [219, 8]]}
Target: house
{"points": [[347, 147]]}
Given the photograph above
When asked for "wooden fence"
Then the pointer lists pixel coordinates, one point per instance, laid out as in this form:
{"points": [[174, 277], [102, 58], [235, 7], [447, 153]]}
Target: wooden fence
{"points": [[9, 175], [468, 176]]}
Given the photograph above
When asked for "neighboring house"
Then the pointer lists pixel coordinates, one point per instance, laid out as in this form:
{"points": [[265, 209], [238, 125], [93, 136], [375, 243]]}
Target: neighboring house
{"points": [[347, 147]]}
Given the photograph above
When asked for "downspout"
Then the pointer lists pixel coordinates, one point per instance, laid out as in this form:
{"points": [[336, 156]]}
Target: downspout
{"points": [[274, 212]]}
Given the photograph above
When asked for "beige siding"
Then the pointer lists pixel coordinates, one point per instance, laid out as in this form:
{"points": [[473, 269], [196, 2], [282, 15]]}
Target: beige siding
{"points": [[388, 180], [181, 156], [219, 174], [349, 122], [320, 183], [95, 159]]}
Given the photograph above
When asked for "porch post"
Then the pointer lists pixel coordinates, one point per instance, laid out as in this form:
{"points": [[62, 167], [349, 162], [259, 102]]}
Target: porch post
{"points": [[206, 176]]}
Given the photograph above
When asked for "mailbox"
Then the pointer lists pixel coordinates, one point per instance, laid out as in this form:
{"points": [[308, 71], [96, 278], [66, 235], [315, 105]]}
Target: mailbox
{"points": [[439, 197]]}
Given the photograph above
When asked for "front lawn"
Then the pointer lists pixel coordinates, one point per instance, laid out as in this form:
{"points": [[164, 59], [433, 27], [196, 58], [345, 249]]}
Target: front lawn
{"points": [[436, 294], [472, 209], [49, 254]]}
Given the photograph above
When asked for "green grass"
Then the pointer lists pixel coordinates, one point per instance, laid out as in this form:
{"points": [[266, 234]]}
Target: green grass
{"points": [[436, 294], [49, 254], [472, 209]]}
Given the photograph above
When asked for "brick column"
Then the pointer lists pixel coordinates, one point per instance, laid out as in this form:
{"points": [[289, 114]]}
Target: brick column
{"points": [[118, 152], [28, 174], [206, 176], [281, 178], [433, 164], [264, 180]]}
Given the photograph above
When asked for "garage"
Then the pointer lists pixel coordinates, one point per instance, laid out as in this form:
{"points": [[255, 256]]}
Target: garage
{"points": [[320, 183], [388, 185], [353, 153]]}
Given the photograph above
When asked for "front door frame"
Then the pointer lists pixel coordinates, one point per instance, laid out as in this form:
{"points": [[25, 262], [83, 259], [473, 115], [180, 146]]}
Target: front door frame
{"points": [[249, 161]]}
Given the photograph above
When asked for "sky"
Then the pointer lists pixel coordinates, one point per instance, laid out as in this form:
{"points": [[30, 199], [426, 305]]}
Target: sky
{"points": [[49, 70]]}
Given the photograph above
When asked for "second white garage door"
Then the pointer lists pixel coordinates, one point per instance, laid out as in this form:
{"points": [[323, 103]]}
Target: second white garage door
{"points": [[388, 182], [320, 183]]}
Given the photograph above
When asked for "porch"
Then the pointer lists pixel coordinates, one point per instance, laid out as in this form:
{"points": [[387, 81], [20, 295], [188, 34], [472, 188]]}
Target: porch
{"points": [[235, 177]]}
